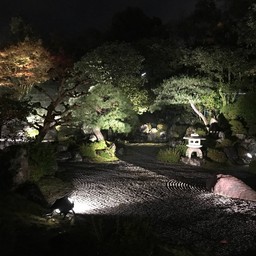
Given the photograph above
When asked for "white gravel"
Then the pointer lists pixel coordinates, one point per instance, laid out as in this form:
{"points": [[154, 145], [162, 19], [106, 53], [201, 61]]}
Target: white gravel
{"points": [[173, 197]]}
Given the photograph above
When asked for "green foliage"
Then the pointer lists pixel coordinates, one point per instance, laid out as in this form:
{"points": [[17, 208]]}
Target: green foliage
{"points": [[181, 148], [117, 64], [106, 107], [243, 109], [177, 131], [169, 155], [201, 132], [89, 149], [108, 153], [216, 155], [98, 151], [42, 160], [183, 90], [218, 64], [237, 127], [162, 127], [224, 143], [246, 106], [230, 111], [111, 62]]}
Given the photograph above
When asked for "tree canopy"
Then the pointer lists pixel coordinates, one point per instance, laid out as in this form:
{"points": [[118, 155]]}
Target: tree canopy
{"points": [[24, 65], [187, 90], [105, 107], [118, 64]]}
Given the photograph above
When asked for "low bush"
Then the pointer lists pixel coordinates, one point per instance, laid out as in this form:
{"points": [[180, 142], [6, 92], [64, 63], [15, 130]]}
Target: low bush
{"points": [[98, 151], [170, 155], [181, 148], [224, 143], [216, 155], [88, 150], [237, 127]]}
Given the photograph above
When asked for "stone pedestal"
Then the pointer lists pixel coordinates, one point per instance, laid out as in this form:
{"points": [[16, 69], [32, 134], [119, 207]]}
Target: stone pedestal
{"points": [[198, 152]]}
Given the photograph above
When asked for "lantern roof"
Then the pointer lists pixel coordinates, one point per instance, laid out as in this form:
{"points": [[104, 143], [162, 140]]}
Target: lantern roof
{"points": [[194, 136]]}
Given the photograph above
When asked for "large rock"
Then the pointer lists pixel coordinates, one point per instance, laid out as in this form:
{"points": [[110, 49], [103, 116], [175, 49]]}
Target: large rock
{"points": [[14, 168], [19, 167], [192, 161], [230, 186]]}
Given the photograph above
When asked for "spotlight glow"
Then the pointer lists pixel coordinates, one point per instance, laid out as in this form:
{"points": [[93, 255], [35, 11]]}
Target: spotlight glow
{"points": [[249, 155], [89, 205]]}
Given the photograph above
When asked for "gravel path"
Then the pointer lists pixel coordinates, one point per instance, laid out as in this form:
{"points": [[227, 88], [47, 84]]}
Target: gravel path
{"points": [[173, 197]]}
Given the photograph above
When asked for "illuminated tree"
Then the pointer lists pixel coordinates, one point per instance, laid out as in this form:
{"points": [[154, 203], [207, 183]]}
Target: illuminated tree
{"points": [[104, 108], [186, 90], [24, 65], [224, 67], [120, 65], [58, 111]]}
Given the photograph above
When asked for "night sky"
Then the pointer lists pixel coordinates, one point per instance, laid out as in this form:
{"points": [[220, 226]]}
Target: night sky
{"points": [[74, 16]]}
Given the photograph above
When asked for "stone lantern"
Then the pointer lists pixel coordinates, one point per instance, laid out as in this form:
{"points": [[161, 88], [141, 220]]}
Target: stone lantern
{"points": [[194, 145]]}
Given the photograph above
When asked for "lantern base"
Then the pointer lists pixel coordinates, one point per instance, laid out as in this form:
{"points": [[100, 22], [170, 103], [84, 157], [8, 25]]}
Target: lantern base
{"points": [[198, 152]]}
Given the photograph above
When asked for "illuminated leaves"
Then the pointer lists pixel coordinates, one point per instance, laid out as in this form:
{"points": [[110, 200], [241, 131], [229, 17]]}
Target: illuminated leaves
{"points": [[24, 65], [106, 107], [183, 90], [117, 64]]}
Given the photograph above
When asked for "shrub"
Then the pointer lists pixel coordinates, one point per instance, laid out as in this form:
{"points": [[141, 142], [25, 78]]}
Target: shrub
{"points": [[216, 155], [162, 127], [181, 148], [88, 150], [237, 127], [170, 155], [98, 151], [201, 132], [224, 143], [42, 160]]}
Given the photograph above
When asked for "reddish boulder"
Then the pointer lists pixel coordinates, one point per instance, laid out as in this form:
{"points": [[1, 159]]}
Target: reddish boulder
{"points": [[230, 186]]}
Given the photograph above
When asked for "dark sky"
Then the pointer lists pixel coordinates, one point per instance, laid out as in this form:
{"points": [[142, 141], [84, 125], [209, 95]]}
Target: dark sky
{"points": [[71, 16]]}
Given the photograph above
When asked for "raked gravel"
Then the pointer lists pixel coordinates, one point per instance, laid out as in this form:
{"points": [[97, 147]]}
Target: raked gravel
{"points": [[174, 197]]}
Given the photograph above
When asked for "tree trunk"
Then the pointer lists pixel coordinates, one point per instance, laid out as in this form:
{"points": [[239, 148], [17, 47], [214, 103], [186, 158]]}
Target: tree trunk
{"points": [[206, 123], [98, 134], [42, 133]]}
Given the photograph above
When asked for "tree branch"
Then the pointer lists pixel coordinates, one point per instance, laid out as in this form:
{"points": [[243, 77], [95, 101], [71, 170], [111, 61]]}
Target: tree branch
{"points": [[199, 114]]}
